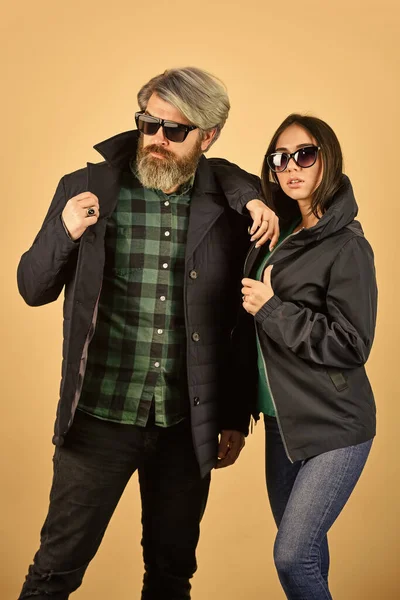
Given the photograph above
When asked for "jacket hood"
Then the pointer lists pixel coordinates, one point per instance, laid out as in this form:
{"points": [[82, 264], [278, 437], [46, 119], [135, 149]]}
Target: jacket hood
{"points": [[339, 215], [341, 212]]}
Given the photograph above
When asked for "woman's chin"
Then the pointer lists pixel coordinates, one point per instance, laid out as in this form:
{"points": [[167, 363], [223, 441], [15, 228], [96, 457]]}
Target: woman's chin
{"points": [[297, 194]]}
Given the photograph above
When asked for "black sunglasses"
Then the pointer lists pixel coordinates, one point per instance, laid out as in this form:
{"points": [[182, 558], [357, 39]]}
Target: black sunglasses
{"points": [[174, 132], [304, 158]]}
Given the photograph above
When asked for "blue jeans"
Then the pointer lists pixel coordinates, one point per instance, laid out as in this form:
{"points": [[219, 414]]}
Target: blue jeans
{"points": [[306, 498], [91, 471]]}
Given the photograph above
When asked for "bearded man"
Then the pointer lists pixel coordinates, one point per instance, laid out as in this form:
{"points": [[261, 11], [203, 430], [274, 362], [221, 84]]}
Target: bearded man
{"points": [[149, 247]]}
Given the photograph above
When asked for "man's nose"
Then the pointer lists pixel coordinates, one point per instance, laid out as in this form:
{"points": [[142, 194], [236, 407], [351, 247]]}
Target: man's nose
{"points": [[159, 137]]}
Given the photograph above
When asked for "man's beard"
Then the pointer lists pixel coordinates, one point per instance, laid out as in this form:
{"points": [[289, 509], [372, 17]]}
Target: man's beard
{"points": [[165, 173]]}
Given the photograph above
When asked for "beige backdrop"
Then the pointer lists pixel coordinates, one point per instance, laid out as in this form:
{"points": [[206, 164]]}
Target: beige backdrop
{"points": [[69, 77]]}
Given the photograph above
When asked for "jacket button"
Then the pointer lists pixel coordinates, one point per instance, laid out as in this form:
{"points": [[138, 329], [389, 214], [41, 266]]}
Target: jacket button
{"points": [[196, 400], [193, 274], [196, 336], [58, 440]]}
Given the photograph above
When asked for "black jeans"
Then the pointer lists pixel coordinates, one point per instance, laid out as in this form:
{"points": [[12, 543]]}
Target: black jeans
{"points": [[91, 471]]}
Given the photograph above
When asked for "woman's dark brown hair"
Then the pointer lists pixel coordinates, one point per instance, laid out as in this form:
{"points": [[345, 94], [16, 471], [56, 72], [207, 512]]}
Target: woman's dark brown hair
{"points": [[332, 161]]}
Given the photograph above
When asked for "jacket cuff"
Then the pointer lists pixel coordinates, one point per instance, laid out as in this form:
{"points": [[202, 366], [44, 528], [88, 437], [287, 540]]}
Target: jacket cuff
{"points": [[236, 420], [268, 308], [236, 427], [67, 232], [245, 198]]}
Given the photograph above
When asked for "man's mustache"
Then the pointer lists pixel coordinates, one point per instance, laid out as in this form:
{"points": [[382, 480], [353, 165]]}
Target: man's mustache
{"points": [[157, 148]]}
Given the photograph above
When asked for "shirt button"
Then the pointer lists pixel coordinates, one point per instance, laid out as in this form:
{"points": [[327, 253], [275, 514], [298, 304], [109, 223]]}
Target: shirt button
{"points": [[193, 274], [166, 234], [162, 298], [196, 400], [156, 364], [195, 337], [165, 266], [166, 203], [160, 331]]}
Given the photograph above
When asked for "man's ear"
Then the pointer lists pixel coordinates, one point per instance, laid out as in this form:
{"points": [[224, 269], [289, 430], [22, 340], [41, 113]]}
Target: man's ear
{"points": [[208, 137]]}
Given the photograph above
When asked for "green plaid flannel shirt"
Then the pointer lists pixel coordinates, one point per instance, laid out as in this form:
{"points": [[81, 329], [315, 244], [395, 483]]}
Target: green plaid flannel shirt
{"points": [[138, 350]]}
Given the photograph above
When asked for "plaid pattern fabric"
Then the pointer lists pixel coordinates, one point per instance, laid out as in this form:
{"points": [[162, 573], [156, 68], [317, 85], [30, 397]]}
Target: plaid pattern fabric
{"points": [[138, 350]]}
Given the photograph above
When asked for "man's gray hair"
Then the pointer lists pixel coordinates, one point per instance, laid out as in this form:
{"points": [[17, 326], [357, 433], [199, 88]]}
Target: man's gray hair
{"points": [[200, 96]]}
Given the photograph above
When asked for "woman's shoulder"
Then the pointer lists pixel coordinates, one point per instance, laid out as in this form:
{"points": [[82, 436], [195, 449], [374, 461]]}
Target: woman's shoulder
{"points": [[351, 240]]}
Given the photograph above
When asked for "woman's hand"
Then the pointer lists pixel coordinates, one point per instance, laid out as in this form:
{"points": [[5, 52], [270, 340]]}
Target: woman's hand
{"points": [[265, 223], [257, 293]]}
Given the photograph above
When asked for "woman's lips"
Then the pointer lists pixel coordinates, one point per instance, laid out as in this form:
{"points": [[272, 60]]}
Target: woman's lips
{"points": [[294, 183]]}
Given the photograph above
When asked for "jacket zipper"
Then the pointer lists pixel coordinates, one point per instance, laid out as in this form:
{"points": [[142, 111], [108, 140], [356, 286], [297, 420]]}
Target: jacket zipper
{"points": [[247, 259], [263, 359]]}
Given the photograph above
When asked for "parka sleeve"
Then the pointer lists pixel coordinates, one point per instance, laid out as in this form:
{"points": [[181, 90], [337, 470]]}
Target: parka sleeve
{"points": [[43, 269], [342, 337]]}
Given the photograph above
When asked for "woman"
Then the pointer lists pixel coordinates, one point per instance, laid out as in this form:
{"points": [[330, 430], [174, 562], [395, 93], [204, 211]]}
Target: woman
{"points": [[314, 301]]}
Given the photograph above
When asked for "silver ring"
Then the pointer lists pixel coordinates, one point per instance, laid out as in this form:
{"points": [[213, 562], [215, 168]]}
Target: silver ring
{"points": [[90, 212]]}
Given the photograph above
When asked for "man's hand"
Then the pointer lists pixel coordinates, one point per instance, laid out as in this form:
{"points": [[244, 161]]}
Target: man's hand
{"points": [[256, 293], [265, 224], [230, 446], [75, 214]]}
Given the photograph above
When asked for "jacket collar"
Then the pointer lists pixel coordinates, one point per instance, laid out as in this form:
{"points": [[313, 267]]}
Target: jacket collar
{"points": [[342, 212], [119, 149]]}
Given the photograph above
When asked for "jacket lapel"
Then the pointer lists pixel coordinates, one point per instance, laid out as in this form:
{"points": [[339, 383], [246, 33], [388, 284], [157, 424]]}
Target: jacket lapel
{"points": [[251, 259], [103, 181], [204, 206], [204, 211], [104, 178]]}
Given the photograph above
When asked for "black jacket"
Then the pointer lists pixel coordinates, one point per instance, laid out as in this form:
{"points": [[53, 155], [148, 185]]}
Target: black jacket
{"points": [[316, 332], [217, 243]]}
